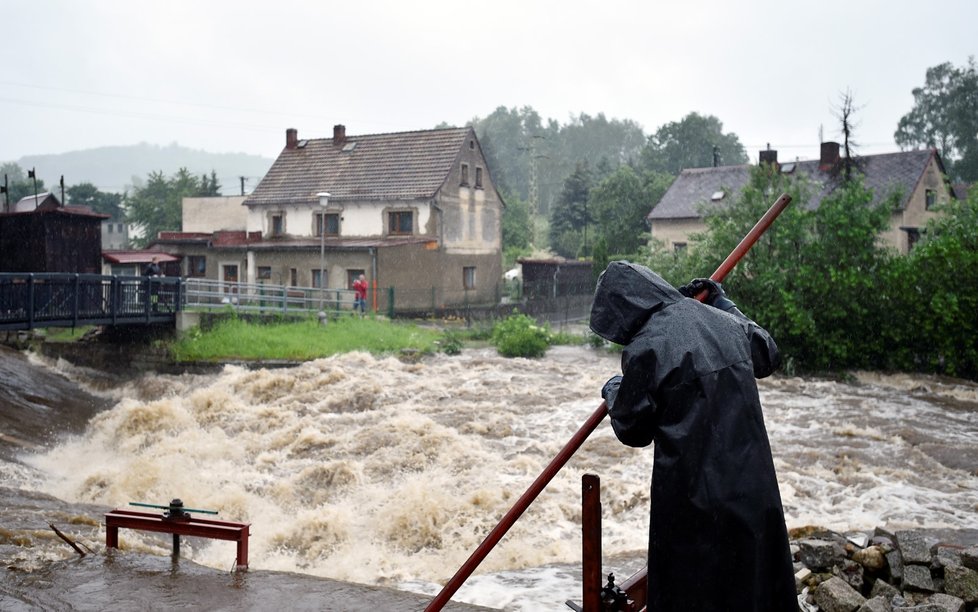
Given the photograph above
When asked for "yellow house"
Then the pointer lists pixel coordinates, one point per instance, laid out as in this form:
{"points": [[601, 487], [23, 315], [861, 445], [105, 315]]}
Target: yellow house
{"points": [[918, 176]]}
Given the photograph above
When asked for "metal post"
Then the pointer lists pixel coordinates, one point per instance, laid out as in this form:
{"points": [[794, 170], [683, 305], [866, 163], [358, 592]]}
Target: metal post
{"points": [[591, 540], [324, 204], [322, 259]]}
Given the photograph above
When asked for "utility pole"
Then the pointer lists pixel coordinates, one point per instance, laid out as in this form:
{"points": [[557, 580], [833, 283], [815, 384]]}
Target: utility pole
{"points": [[6, 195], [63, 190], [242, 184]]}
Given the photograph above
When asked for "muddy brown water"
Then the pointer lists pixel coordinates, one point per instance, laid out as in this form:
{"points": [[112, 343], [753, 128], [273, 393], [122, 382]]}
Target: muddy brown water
{"points": [[369, 470]]}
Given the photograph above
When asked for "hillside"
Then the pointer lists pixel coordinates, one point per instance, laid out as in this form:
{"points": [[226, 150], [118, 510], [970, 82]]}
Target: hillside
{"points": [[117, 168]]}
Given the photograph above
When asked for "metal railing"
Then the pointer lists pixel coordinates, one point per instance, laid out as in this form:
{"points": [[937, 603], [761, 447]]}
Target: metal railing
{"points": [[30, 300], [261, 298]]}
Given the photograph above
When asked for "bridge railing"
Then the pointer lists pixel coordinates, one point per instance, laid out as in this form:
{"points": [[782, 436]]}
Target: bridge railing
{"points": [[263, 298], [30, 300]]}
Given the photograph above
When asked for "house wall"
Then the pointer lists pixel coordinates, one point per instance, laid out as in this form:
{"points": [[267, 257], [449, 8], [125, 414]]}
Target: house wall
{"points": [[916, 213], [50, 242], [306, 263], [214, 214], [471, 216], [671, 231], [358, 219], [115, 235], [425, 279]]}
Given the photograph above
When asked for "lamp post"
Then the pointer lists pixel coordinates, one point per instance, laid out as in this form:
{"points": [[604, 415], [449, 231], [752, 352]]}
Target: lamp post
{"points": [[323, 204]]}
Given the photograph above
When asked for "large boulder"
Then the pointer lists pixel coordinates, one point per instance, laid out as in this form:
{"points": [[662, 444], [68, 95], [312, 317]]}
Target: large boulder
{"points": [[915, 546], [835, 595], [918, 578], [962, 582], [820, 555]]}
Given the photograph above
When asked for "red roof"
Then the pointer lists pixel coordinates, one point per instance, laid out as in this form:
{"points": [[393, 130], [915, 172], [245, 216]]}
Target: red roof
{"points": [[131, 257]]}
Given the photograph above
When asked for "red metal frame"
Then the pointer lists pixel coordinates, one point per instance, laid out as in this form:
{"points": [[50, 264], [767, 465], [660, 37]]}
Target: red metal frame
{"points": [[188, 526]]}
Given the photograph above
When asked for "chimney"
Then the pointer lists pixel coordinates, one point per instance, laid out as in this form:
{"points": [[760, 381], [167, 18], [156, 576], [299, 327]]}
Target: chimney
{"points": [[769, 156], [339, 134], [829, 156], [291, 138]]}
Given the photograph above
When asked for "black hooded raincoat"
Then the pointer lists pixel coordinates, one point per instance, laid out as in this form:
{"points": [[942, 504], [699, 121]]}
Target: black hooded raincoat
{"points": [[717, 539]]}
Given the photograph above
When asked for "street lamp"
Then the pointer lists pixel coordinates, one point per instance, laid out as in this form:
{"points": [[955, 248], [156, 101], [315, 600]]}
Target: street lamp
{"points": [[323, 203]]}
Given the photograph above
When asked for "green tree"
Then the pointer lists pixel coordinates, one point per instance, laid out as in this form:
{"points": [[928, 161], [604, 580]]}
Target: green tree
{"points": [[945, 116], [813, 279], [690, 143], [530, 157], [19, 185], [87, 194], [517, 226], [570, 216], [156, 206], [933, 295], [619, 205]]}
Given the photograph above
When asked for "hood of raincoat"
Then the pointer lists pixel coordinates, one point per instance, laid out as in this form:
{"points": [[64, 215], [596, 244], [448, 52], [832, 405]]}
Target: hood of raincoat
{"points": [[626, 296]]}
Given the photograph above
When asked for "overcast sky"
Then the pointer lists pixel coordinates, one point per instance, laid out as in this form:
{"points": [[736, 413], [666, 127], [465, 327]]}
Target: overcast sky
{"points": [[231, 76]]}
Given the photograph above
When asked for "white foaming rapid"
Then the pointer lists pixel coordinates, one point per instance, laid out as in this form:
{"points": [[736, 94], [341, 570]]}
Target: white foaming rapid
{"points": [[374, 470]]}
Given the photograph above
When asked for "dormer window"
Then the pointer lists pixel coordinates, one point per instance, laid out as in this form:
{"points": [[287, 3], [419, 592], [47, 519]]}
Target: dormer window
{"points": [[465, 175]]}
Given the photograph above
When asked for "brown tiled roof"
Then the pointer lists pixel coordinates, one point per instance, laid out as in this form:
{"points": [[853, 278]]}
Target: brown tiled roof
{"points": [[884, 174], [399, 166]]}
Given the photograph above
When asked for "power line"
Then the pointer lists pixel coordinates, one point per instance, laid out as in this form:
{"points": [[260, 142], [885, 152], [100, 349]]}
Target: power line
{"points": [[277, 113]]}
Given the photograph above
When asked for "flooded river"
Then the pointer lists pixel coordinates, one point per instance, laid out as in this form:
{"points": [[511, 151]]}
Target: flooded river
{"points": [[378, 471]]}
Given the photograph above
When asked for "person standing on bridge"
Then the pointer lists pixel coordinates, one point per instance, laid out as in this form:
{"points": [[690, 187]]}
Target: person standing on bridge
{"points": [[152, 268], [717, 538]]}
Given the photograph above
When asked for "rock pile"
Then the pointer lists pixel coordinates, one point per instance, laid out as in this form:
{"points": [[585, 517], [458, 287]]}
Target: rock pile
{"points": [[898, 571]]}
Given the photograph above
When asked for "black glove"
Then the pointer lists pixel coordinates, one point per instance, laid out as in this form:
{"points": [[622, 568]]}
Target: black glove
{"points": [[714, 293], [611, 385]]}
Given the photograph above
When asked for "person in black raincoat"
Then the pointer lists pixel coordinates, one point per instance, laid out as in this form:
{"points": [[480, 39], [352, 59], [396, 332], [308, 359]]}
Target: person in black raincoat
{"points": [[717, 539]]}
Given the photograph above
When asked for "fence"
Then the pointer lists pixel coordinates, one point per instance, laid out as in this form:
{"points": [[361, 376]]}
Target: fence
{"points": [[39, 300], [29, 300], [263, 298]]}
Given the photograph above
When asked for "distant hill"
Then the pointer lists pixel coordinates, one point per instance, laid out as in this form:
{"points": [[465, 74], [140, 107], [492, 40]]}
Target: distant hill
{"points": [[117, 169]]}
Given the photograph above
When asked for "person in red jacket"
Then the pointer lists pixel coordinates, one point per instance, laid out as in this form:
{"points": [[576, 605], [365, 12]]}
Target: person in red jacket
{"points": [[360, 299], [717, 536]]}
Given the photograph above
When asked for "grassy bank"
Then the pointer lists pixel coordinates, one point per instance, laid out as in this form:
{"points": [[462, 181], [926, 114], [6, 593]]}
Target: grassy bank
{"points": [[237, 339]]}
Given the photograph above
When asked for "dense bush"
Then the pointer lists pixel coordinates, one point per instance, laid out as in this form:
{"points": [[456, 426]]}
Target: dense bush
{"points": [[519, 336]]}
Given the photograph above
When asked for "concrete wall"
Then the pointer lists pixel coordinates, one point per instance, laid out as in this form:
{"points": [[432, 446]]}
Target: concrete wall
{"points": [[214, 214]]}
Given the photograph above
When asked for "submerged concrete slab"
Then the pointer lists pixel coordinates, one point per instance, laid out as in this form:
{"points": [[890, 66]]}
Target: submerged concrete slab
{"points": [[121, 581]]}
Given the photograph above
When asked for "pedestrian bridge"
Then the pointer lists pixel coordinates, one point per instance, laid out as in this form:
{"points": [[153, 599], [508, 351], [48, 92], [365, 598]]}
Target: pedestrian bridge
{"points": [[29, 300]]}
